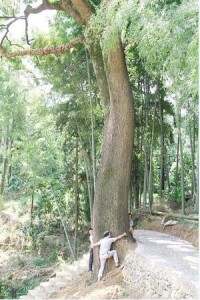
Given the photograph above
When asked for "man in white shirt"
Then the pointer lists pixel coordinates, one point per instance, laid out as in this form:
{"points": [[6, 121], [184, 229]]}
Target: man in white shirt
{"points": [[105, 245]]}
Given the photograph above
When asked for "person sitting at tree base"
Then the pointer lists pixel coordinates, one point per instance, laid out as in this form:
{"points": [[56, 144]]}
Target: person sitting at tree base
{"points": [[105, 252]]}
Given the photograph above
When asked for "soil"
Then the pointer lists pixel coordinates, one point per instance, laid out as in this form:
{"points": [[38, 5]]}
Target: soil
{"points": [[112, 286]]}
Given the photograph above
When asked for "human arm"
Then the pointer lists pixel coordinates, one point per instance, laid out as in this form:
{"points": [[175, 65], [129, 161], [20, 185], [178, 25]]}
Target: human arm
{"points": [[120, 236], [96, 244]]}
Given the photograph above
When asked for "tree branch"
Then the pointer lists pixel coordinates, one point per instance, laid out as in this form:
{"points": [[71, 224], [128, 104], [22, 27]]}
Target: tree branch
{"points": [[64, 5], [8, 25], [42, 51], [44, 6], [29, 10], [17, 45], [84, 8], [71, 10]]}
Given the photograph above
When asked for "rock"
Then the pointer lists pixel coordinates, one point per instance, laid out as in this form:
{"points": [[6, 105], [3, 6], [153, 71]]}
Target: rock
{"points": [[170, 223], [165, 219]]}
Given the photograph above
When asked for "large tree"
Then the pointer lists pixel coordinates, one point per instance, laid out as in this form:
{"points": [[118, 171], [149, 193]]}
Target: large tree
{"points": [[112, 185]]}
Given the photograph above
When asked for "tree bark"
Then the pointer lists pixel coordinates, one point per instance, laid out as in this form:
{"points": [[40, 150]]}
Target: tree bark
{"points": [[135, 183], [112, 186], [5, 166], [182, 162], [4, 173], [145, 140], [151, 162], [192, 149], [162, 153], [110, 210], [76, 199], [100, 73], [92, 125]]}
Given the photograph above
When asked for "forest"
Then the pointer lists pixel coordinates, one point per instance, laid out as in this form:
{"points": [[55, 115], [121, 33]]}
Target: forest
{"points": [[98, 114]]}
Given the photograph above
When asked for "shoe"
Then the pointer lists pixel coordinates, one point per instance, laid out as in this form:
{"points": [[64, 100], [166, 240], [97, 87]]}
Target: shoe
{"points": [[117, 265], [99, 278]]}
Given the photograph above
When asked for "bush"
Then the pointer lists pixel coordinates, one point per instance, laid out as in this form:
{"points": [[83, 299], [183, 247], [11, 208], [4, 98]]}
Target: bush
{"points": [[41, 261]]}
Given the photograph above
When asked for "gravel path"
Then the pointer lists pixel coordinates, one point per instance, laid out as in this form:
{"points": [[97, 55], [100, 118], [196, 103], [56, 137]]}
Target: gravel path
{"points": [[162, 262], [169, 251]]}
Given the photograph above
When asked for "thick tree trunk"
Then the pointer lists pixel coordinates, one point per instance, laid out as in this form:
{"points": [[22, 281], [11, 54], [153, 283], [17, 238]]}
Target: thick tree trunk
{"points": [[112, 186], [110, 210]]}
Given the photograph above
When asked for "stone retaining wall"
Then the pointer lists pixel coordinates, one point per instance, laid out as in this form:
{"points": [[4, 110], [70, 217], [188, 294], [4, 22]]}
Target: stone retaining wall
{"points": [[156, 281]]}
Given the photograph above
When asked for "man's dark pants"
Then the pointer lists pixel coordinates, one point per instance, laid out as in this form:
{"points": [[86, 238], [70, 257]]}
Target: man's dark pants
{"points": [[91, 259]]}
